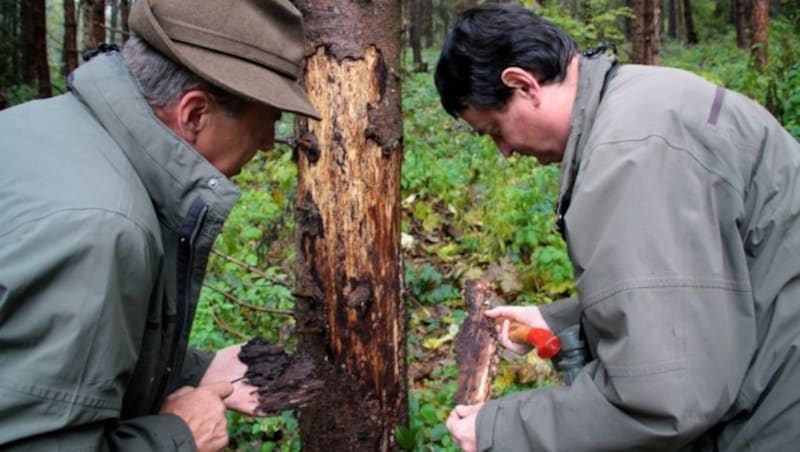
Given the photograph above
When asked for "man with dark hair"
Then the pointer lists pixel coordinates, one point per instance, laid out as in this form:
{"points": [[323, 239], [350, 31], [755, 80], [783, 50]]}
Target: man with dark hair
{"points": [[112, 197], [679, 205]]}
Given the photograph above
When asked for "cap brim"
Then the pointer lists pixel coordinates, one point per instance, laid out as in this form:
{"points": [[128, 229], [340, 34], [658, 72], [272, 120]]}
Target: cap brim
{"points": [[233, 74], [247, 79]]}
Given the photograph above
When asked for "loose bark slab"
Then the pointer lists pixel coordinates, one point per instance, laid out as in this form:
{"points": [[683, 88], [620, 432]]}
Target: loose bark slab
{"points": [[476, 345], [283, 381]]}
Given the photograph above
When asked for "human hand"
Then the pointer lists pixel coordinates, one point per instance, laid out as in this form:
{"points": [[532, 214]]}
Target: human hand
{"points": [[461, 424], [226, 366], [203, 410], [527, 315]]}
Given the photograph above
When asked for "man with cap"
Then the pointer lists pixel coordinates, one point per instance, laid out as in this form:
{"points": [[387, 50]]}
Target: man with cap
{"points": [[112, 196]]}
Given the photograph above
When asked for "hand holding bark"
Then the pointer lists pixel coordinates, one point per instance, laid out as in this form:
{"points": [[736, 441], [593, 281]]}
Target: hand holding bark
{"points": [[226, 366], [527, 315], [461, 424]]}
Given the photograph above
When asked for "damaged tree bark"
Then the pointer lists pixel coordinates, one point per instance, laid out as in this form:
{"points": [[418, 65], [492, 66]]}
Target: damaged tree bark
{"points": [[348, 303], [283, 382], [476, 345]]}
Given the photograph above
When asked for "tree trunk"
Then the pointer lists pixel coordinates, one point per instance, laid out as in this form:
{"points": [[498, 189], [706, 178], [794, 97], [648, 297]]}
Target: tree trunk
{"points": [[415, 34], [349, 311], [759, 22], [740, 22], [672, 19], [688, 18], [113, 18], [125, 11], [98, 21], [70, 44], [42, 65], [426, 17], [93, 21], [28, 41], [645, 29]]}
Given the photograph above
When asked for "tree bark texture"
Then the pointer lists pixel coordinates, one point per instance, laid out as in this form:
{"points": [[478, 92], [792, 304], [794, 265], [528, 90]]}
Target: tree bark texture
{"points": [[476, 345], [759, 22], [645, 31], [349, 311], [70, 44]]}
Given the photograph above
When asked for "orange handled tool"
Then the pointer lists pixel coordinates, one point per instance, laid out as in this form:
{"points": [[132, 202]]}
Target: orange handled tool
{"points": [[546, 343]]}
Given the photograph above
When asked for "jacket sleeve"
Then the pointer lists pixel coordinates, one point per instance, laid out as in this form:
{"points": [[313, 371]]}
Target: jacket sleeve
{"points": [[561, 313], [74, 294], [194, 367], [667, 303]]}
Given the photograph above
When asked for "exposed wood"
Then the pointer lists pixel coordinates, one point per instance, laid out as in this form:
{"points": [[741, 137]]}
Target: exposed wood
{"points": [[283, 381], [347, 208], [476, 345]]}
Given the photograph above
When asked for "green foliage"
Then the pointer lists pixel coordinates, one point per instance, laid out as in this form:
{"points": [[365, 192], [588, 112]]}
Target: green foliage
{"points": [[777, 88], [590, 22]]}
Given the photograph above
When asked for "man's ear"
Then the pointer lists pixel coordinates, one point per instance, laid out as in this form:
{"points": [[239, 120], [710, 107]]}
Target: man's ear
{"points": [[192, 114], [518, 78]]}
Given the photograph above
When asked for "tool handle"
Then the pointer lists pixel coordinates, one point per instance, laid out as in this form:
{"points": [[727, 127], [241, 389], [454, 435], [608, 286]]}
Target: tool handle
{"points": [[546, 343]]}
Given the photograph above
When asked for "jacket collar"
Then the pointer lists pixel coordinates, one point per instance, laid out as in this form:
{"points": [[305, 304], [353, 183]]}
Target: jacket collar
{"points": [[591, 80], [173, 172]]}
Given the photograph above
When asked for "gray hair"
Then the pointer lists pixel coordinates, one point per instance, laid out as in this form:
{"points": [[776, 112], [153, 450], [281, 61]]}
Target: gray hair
{"points": [[163, 81]]}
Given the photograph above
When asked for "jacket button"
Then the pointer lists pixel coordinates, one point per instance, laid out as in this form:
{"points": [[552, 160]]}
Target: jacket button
{"points": [[213, 183]]}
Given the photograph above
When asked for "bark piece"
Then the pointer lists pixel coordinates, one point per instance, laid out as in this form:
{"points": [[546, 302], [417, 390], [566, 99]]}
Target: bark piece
{"points": [[283, 381], [476, 345]]}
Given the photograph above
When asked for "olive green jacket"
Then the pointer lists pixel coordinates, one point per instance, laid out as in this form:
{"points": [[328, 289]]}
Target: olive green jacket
{"points": [[681, 212], [106, 222]]}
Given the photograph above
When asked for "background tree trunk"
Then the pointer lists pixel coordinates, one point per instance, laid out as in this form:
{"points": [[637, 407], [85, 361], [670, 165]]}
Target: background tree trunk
{"points": [[426, 16], [350, 315], [42, 66], [113, 20], [28, 41], [688, 20], [672, 19], [93, 21], [415, 34], [645, 30], [740, 22], [70, 44], [759, 22], [124, 12]]}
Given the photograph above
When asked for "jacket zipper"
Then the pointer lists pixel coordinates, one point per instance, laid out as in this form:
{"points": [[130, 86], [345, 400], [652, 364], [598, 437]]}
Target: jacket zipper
{"points": [[186, 237]]}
